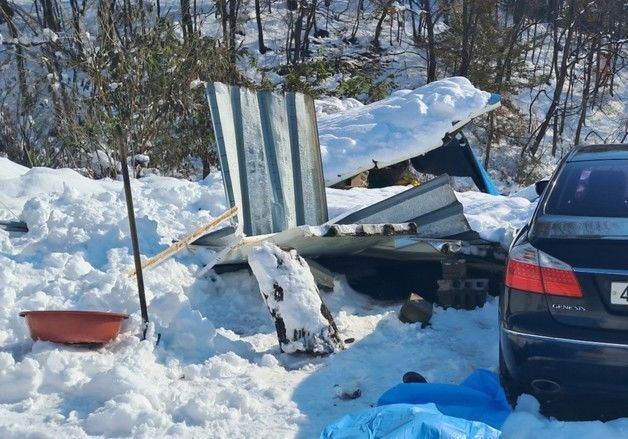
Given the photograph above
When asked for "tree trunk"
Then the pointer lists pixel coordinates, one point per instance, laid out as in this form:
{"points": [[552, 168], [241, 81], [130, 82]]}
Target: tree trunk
{"points": [[309, 24], [378, 27], [416, 30], [302, 321], [533, 48], [128, 21], [585, 93], [260, 29], [222, 10], [358, 13], [76, 24], [186, 19], [296, 36], [613, 64], [561, 76], [6, 12], [489, 138], [25, 99], [568, 98], [467, 23], [504, 63], [431, 42], [233, 22], [555, 136], [50, 16]]}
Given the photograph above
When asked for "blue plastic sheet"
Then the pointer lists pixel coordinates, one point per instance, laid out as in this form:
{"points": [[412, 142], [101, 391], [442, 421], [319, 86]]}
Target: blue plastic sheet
{"points": [[479, 398], [398, 421], [477, 409]]}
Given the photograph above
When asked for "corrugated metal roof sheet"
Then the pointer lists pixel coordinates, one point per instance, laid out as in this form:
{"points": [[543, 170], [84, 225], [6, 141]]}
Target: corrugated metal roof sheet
{"points": [[351, 239], [432, 206], [270, 157]]}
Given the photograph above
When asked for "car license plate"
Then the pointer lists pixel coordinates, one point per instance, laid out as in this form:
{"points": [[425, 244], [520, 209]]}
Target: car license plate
{"points": [[619, 293]]}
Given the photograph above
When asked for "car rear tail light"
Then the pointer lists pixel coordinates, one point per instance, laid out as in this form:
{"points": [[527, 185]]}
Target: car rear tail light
{"points": [[559, 278], [523, 271], [531, 270]]}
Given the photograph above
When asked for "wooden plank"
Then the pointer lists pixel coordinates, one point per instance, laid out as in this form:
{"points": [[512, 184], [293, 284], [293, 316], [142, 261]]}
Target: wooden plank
{"points": [[219, 256], [302, 320], [178, 246]]}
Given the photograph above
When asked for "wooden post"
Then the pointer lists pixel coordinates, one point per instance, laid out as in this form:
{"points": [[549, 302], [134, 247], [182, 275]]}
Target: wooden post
{"points": [[302, 320]]}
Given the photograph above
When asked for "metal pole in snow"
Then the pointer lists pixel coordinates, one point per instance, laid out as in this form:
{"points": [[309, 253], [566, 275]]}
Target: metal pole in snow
{"points": [[134, 240]]}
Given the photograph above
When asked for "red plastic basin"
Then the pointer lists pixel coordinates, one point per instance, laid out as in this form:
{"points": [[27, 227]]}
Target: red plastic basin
{"points": [[74, 326]]}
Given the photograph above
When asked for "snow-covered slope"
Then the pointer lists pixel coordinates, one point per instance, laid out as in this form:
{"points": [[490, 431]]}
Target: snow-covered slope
{"points": [[217, 370], [10, 169]]}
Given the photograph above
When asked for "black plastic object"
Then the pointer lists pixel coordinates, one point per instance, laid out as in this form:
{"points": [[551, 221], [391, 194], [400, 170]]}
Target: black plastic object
{"points": [[413, 377]]}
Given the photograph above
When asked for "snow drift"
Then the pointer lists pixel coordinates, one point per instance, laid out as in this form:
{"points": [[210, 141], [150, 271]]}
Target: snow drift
{"points": [[406, 124]]}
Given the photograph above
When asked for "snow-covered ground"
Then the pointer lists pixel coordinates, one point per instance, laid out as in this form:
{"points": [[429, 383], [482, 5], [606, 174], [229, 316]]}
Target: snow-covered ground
{"points": [[217, 370]]}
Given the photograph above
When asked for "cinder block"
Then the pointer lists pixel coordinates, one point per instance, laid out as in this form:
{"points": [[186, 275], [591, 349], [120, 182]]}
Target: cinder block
{"points": [[462, 293], [454, 268]]}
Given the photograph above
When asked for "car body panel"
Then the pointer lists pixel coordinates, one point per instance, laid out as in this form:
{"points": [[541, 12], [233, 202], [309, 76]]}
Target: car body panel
{"points": [[595, 275], [577, 367], [579, 344]]}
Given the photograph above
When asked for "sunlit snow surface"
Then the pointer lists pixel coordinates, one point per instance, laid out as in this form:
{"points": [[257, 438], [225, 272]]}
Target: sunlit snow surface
{"points": [[217, 370], [405, 124]]}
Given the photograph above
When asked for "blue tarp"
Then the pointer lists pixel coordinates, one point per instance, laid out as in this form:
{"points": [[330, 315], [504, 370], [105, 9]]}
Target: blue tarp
{"points": [[407, 421], [477, 408], [479, 398]]}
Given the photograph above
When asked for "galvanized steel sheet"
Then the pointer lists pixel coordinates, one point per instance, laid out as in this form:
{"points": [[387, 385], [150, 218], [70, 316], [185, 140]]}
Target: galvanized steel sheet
{"points": [[270, 157]]}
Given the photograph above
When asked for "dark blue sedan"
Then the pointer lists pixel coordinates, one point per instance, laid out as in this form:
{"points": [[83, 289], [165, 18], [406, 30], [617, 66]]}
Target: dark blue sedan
{"points": [[564, 311]]}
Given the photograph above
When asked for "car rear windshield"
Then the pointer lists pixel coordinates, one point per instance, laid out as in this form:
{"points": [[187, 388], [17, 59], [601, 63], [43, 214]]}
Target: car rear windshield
{"points": [[591, 188]]}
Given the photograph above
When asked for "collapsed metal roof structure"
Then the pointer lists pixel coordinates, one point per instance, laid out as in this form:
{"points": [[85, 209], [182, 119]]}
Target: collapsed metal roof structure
{"points": [[272, 170]]}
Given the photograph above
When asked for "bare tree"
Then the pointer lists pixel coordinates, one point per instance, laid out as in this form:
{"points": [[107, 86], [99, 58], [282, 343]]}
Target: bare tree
{"points": [[431, 42], [186, 19], [260, 30], [561, 70], [25, 99], [300, 22], [384, 9]]}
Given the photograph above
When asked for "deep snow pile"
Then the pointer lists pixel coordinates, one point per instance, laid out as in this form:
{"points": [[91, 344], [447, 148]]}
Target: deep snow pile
{"points": [[405, 124], [496, 218], [10, 169], [217, 370]]}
